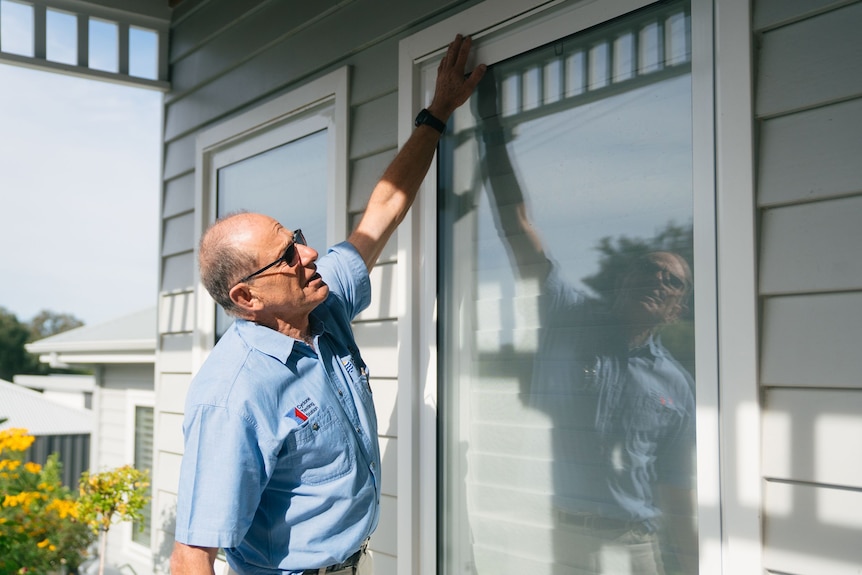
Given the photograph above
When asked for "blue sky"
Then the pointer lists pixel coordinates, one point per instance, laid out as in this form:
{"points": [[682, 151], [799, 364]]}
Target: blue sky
{"points": [[79, 193]]}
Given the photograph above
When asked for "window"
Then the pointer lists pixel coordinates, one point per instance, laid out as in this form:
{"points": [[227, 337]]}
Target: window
{"points": [[143, 461], [566, 340], [285, 158]]}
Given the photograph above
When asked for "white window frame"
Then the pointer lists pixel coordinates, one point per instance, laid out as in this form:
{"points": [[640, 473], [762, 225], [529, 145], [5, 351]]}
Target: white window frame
{"points": [[275, 122], [135, 399], [728, 475]]}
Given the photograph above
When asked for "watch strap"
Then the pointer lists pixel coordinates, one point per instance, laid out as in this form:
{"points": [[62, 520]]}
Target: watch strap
{"points": [[425, 117]]}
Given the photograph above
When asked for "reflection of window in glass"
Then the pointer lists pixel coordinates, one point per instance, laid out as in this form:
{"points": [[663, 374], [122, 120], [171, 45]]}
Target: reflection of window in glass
{"points": [[16, 28], [143, 53], [104, 45], [567, 396], [61, 32], [288, 183], [143, 461]]}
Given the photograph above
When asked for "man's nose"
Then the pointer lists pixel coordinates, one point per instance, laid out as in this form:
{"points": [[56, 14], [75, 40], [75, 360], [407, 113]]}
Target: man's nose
{"points": [[307, 254]]}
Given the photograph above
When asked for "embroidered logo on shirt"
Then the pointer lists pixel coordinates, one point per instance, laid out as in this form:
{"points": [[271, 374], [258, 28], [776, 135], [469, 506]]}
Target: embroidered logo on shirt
{"points": [[303, 411]]}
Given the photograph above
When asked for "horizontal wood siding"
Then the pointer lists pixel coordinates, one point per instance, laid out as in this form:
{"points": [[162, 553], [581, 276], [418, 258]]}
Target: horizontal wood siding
{"points": [[812, 247], [226, 58], [809, 107], [796, 166]]}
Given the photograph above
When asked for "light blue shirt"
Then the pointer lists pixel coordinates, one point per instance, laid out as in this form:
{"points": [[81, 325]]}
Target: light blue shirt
{"points": [[623, 419], [282, 462]]}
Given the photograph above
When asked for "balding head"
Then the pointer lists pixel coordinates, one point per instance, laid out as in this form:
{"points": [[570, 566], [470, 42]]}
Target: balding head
{"points": [[224, 257]]}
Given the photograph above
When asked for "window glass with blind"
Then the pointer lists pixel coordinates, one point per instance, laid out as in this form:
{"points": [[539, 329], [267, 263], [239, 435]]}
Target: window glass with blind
{"points": [[143, 462], [566, 337]]}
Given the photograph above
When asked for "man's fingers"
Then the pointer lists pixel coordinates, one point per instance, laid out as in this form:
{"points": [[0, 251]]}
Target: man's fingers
{"points": [[476, 76], [463, 53], [452, 54]]}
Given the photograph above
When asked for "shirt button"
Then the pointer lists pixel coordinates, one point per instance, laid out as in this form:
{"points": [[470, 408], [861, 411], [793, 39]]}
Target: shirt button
{"points": [[315, 427], [358, 430], [372, 467], [341, 393]]}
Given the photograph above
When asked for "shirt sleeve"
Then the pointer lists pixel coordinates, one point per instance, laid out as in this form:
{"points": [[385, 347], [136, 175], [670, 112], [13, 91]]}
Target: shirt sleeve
{"points": [[344, 271], [221, 478]]}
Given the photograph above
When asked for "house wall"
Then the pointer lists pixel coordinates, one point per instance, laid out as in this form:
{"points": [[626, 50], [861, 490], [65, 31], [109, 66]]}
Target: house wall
{"points": [[120, 388], [227, 57], [809, 195]]}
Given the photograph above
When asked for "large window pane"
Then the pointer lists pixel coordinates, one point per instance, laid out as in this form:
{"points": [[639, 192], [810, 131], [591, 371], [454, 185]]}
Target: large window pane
{"points": [[288, 183], [566, 337]]}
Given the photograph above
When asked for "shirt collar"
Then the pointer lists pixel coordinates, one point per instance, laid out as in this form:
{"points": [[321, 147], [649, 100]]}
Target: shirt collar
{"points": [[652, 347], [265, 340], [272, 342]]}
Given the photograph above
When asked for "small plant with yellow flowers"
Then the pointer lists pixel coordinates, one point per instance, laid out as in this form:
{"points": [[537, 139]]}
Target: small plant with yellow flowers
{"points": [[39, 526], [115, 495]]}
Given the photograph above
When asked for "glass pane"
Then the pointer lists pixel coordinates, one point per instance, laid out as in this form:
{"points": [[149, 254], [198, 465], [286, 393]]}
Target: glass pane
{"points": [[143, 461], [16, 28], [104, 46], [566, 337], [143, 53], [288, 183], [61, 37]]}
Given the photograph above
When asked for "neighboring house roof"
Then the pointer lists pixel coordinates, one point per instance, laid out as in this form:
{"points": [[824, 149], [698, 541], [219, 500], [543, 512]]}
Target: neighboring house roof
{"points": [[26, 408], [127, 339], [59, 382]]}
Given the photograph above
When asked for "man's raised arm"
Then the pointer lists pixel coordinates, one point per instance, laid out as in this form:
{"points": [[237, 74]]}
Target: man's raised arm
{"points": [[394, 193]]}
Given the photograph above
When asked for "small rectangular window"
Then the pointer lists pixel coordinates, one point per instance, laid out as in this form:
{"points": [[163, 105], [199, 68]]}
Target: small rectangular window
{"points": [[104, 45], [61, 37], [16, 28], [143, 53]]}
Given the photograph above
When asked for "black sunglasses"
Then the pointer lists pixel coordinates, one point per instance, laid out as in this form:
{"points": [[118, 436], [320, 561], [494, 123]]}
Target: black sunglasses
{"points": [[290, 257], [671, 280]]}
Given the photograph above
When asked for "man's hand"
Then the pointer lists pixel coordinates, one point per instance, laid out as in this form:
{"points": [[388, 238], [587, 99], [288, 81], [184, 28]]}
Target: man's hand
{"points": [[453, 88]]}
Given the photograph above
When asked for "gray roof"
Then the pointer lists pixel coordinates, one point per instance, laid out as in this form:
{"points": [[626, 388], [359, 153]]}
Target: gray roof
{"points": [[137, 329], [39, 416], [127, 339]]}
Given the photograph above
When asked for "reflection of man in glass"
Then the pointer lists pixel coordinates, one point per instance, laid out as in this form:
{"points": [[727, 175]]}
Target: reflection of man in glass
{"points": [[622, 408]]}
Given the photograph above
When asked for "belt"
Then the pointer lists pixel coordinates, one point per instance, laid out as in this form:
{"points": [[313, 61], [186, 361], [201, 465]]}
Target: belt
{"points": [[346, 565], [600, 523]]}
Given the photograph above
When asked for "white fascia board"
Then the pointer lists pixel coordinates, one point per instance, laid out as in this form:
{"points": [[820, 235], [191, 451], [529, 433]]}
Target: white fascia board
{"points": [[97, 358], [142, 345]]}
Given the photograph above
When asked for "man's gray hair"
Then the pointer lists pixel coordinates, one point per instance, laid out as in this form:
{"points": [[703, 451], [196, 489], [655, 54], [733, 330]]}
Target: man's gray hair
{"points": [[221, 262]]}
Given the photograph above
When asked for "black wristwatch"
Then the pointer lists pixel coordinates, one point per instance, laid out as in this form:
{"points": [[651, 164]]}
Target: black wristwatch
{"points": [[425, 117]]}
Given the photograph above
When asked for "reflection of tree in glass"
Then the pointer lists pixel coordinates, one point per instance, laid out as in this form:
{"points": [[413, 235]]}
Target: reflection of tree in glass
{"points": [[617, 255]]}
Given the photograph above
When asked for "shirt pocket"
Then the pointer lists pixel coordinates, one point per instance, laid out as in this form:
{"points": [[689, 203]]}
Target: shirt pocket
{"points": [[319, 450]]}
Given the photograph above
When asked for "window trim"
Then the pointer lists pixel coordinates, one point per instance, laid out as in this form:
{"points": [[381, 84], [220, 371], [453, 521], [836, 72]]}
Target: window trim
{"points": [[515, 23], [257, 125], [135, 399]]}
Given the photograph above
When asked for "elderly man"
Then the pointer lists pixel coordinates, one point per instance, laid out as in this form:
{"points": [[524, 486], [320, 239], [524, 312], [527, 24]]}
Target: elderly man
{"points": [[282, 464]]}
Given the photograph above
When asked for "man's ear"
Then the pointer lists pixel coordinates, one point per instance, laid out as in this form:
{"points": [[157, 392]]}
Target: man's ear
{"points": [[243, 298]]}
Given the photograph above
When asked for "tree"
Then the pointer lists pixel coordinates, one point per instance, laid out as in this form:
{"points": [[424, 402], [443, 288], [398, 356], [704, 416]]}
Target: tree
{"points": [[14, 358], [116, 494], [47, 323]]}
